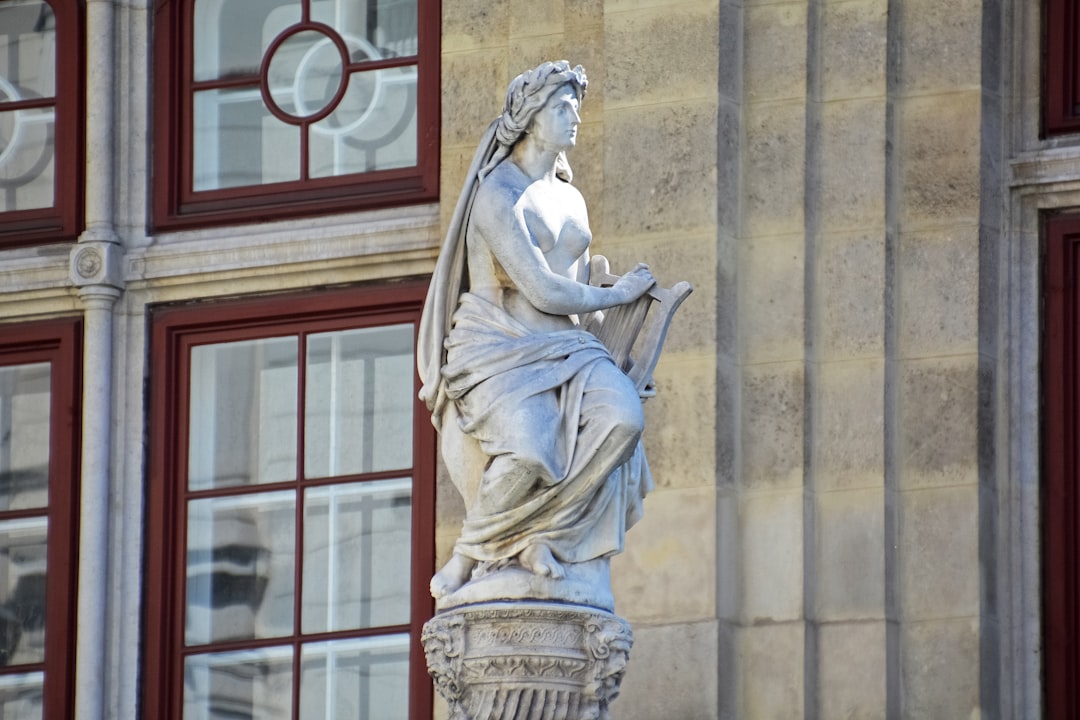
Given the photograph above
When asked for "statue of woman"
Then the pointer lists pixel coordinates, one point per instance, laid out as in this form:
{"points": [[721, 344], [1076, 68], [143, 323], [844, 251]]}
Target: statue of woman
{"points": [[539, 428]]}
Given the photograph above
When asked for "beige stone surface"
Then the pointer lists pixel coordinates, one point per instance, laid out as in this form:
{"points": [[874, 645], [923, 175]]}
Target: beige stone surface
{"points": [[774, 53], [849, 578], [771, 563], [471, 26], [938, 438], [853, 49], [473, 90], [661, 55], [940, 669], [655, 180], [770, 672], [938, 553], [941, 49], [536, 17], [852, 168], [772, 426], [939, 159], [939, 292], [771, 279], [680, 424], [667, 574], [773, 168], [851, 670], [849, 414], [672, 674], [850, 311]]}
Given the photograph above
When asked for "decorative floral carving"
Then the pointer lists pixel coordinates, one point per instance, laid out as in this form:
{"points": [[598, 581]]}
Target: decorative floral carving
{"points": [[88, 262], [444, 644]]}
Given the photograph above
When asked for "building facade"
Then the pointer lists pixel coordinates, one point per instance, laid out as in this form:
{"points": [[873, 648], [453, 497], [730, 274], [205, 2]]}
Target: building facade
{"points": [[219, 495]]}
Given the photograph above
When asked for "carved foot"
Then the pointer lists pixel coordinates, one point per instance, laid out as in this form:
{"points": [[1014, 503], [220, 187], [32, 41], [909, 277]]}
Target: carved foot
{"points": [[453, 575], [538, 560]]}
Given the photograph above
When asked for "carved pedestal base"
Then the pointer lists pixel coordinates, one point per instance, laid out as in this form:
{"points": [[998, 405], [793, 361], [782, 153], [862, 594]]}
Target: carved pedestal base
{"points": [[500, 661]]}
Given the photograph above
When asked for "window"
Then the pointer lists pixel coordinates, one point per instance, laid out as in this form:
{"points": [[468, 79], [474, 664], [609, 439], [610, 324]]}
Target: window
{"points": [[293, 107], [291, 510], [41, 64], [39, 448]]}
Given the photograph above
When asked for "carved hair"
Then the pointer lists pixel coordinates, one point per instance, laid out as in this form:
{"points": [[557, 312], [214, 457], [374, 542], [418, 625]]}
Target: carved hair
{"points": [[529, 92]]}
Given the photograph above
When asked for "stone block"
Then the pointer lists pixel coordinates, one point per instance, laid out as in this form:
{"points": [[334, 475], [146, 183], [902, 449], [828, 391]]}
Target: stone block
{"points": [[938, 434], [771, 432], [728, 560], [774, 52], [587, 162], [771, 527], [730, 42], [939, 146], [774, 160], [668, 570], [453, 165], [849, 425], [938, 553], [536, 17], [728, 168], [940, 669], [771, 296], [685, 37], [472, 26], [942, 46], [850, 317], [851, 670], [728, 381], [770, 671], [853, 49], [939, 292], [849, 582], [473, 90], [672, 674], [660, 168], [616, 6], [852, 168], [680, 423]]}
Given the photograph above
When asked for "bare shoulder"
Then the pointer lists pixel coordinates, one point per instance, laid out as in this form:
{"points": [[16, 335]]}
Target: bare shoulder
{"points": [[498, 193]]}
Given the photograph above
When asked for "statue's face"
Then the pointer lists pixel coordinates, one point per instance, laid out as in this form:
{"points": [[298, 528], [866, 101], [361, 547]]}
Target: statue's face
{"points": [[555, 124]]}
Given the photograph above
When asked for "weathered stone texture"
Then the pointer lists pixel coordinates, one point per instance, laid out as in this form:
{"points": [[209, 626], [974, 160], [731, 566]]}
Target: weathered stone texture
{"points": [[769, 676], [849, 582], [938, 416], [851, 670], [771, 302], [672, 673], [852, 194], [853, 49], [774, 53], [849, 442], [773, 168], [850, 308], [939, 292], [772, 426], [771, 540], [940, 669]]}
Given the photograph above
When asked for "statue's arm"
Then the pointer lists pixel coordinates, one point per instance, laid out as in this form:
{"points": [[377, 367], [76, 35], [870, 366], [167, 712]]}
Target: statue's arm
{"points": [[501, 224]]}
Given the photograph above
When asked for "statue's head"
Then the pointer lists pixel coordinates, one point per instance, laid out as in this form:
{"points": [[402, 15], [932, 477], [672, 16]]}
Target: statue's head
{"points": [[530, 91]]}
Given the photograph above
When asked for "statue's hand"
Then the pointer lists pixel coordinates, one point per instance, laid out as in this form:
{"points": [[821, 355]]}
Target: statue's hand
{"points": [[635, 283]]}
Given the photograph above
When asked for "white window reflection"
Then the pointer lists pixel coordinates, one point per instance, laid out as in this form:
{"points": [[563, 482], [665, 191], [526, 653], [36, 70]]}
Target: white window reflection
{"points": [[25, 404], [356, 678], [22, 696], [239, 684]]}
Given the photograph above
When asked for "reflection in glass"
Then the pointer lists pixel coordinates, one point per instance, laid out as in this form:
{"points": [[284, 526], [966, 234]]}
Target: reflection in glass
{"points": [[22, 696], [356, 555], [27, 158], [231, 36], [356, 678], [373, 128], [22, 590], [24, 436], [240, 567], [239, 684], [243, 413], [27, 50], [359, 401], [387, 27], [238, 142]]}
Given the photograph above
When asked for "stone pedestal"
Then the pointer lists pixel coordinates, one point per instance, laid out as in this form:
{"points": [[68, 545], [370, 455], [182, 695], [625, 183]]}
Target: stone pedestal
{"points": [[501, 661]]}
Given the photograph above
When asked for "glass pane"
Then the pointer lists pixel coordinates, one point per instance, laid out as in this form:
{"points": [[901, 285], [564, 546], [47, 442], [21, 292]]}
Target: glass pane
{"points": [[27, 159], [373, 128], [27, 50], [373, 28], [22, 696], [243, 413], [240, 567], [355, 678], [239, 143], [25, 404], [359, 401], [231, 36], [22, 590], [357, 541], [239, 684], [305, 73]]}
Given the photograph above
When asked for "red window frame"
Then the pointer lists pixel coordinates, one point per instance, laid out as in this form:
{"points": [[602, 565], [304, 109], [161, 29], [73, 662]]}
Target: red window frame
{"points": [[176, 205], [174, 331], [1060, 467], [64, 220], [59, 343]]}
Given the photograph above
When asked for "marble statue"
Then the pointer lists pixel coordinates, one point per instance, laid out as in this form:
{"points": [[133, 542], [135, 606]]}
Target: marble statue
{"points": [[539, 429]]}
